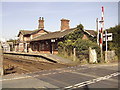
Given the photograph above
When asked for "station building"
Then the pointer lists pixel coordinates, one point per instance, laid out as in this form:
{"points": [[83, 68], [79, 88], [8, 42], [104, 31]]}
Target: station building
{"points": [[43, 41]]}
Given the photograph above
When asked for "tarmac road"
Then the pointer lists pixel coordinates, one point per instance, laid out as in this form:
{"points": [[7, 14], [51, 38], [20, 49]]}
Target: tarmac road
{"points": [[82, 76]]}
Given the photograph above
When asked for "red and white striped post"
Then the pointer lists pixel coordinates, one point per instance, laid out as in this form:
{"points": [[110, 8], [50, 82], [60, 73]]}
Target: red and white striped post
{"points": [[101, 32], [102, 27]]}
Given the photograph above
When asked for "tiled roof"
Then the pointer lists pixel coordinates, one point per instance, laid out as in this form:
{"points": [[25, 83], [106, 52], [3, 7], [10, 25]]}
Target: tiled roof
{"points": [[91, 32], [25, 32], [59, 34], [53, 35]]}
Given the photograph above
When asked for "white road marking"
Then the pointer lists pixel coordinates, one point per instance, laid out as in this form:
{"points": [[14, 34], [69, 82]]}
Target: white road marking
{"points": [[92, 81]]}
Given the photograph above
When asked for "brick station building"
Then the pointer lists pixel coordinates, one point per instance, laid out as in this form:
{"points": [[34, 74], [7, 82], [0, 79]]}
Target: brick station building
{"points": [[42, 41]]}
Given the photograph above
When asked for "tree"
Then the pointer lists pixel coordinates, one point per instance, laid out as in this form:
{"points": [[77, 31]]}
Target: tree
{"points": [[82, 47], [115, 43], [80, 26]]}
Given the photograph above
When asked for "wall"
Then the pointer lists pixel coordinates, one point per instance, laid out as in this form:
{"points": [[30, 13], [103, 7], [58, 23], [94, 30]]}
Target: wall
{"points": [[42, 47], [16, 48], [110, 56], [21, 47], [92, 55]]}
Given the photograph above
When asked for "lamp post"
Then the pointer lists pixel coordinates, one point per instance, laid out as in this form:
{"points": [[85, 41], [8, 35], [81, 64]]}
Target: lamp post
{"points": [[97, 31], [106, 45]]}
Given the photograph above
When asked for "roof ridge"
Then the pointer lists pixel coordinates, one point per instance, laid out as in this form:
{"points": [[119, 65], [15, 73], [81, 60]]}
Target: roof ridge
{"points": [[87, 31], [25, 30]]}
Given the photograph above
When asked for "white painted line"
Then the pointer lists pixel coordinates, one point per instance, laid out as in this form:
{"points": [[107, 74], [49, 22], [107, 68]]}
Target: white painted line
{"points": [[79, 84], [93, 81], [69, 87]]}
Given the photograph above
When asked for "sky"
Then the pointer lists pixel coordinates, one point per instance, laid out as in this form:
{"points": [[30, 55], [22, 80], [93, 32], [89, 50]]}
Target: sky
{"points": [[24, 15]]}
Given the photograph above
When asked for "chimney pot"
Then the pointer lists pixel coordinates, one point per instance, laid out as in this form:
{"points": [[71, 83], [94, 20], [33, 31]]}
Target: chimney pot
{"points": [[41, 23], [39, 18]]}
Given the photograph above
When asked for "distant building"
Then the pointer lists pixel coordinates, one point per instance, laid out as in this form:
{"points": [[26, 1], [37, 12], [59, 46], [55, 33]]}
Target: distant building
{"points": [[11, 44], [42, 41], [5, 46]]}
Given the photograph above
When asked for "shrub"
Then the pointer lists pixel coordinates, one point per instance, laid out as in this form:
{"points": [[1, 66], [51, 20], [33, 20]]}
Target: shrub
{"points": [[82, 47], [115, 43]]}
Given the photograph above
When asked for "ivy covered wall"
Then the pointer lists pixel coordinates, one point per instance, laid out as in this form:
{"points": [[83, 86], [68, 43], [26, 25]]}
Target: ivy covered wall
{"points": [[74, 40]]}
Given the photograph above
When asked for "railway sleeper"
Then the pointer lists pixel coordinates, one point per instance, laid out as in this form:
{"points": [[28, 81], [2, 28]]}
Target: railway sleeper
{"points": [[8, 69], [9, 72]]}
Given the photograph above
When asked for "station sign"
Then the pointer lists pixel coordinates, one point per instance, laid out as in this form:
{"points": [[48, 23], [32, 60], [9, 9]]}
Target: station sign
{"points": [[52, 40], [109, 37]]}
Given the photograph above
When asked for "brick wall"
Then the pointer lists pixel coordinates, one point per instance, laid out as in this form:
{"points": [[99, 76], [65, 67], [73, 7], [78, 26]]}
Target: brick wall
{"points": [[64, 24]]}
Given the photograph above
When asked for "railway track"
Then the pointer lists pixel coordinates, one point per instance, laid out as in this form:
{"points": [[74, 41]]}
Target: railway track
{"points": [[24, 65]]}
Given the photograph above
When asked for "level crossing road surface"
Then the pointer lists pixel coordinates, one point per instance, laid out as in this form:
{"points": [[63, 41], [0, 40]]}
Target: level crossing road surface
{"points": [[81, 76]]}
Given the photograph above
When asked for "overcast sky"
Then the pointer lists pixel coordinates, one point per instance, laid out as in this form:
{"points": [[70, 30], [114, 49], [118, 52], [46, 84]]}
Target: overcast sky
{"points": [[24, 15]]}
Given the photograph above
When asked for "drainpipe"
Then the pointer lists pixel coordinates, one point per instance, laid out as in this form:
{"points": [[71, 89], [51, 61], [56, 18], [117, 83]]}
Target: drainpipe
{"points": [[52, 49], [52, 41]]}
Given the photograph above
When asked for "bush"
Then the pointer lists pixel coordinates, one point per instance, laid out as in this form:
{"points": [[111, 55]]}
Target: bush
{"points": [[115, 43], [82, 47]]}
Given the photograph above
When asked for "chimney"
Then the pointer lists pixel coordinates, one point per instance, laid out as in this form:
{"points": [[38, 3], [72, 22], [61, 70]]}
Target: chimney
{"points": [[41, 23], [64, 24]]}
